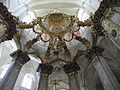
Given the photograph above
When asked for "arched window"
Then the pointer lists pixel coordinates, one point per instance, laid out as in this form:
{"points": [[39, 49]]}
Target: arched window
{"points": [[27, 81]]}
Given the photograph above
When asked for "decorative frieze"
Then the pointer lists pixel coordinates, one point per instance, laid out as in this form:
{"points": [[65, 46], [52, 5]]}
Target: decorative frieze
{"points": [[101, 13]]}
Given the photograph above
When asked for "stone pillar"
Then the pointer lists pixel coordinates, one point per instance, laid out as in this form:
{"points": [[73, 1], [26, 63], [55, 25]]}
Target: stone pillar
{"points": [[45, 70], [105, 74], [20, 58], [43, 82], [71, 70], [83, 85]]}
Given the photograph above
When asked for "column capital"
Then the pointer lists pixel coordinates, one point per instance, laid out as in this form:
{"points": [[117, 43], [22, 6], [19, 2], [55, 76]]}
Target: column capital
{"points": [[71, 68], [20, 56], [45, 69], [94, 51]]}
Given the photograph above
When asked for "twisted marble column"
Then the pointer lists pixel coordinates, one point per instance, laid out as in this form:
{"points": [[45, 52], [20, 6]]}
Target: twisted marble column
{"points": [[71, 70], [45, 70], [8, 81]]}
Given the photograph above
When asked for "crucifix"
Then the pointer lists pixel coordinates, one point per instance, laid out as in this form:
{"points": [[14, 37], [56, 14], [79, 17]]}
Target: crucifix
{"points": [[55, 83]]}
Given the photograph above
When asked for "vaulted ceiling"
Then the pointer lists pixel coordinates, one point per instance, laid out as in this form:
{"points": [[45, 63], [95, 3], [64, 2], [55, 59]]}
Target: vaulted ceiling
{"points": [[30, 9]]}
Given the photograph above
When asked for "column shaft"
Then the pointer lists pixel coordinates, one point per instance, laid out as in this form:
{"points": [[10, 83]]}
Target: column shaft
{"points": [[73, 81], [45, 70], [106, 75], [82, 82], [8, 81], [43, 82], [71, 69], [10, 77]]}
